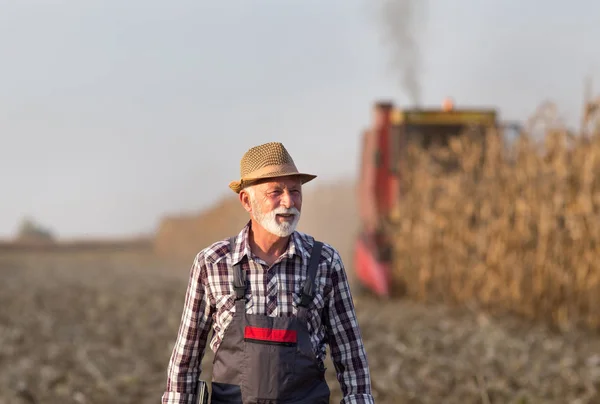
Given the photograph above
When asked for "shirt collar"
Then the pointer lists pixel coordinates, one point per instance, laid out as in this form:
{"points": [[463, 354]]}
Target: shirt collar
{"points": [[298, 246], [242, 246]]}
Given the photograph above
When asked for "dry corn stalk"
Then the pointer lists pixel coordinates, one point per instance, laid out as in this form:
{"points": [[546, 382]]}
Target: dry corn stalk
{"points": [[519, 232]]}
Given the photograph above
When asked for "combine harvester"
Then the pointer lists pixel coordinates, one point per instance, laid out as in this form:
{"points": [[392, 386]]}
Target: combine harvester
{"points": [[380, 181]]}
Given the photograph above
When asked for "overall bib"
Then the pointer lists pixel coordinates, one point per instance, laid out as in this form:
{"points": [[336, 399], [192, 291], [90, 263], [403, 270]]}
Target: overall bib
{"points": [[269, 360]]}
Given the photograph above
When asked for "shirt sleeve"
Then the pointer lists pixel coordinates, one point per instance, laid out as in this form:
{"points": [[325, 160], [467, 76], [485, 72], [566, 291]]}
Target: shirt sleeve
{"points": [[345, 340], [196, 320]]}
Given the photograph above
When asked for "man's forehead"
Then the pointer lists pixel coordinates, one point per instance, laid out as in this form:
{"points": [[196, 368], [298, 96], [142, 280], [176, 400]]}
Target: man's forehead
{"points": [[282, 182]]}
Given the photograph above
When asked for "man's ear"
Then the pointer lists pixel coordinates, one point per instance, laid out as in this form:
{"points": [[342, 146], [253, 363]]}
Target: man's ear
{"points": [[245, 200]]}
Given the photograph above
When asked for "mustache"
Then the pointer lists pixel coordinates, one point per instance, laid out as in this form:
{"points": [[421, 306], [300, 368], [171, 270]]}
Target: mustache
{"points": [[286, 211]]}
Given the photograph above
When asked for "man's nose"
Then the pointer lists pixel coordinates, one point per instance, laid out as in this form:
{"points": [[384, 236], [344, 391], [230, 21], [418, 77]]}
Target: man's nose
{"points": [[287, 201]]}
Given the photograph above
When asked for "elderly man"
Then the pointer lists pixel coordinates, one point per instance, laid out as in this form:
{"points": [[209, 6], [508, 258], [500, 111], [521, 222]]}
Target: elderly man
{"points": [[274, 298]]}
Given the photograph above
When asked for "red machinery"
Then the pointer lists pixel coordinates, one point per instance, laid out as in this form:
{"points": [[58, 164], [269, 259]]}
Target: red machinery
{"points": [[379, 188]]}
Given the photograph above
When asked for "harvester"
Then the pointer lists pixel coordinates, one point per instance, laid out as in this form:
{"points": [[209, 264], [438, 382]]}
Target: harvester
{"points": [[384, 147]]}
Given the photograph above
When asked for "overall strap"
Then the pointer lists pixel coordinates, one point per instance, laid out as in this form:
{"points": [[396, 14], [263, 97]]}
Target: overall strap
{"points": [[239, 276], [308, 288]]}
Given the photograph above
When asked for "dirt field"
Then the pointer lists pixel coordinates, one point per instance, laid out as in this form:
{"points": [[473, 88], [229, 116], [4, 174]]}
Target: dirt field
{"points": [[98, 327]]}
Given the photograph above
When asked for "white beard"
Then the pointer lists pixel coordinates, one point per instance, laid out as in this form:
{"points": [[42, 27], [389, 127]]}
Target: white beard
{"points": [[269, 220]]}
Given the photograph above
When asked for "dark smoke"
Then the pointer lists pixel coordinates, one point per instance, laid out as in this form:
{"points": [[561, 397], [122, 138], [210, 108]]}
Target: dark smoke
{"points": [[402, 22]]}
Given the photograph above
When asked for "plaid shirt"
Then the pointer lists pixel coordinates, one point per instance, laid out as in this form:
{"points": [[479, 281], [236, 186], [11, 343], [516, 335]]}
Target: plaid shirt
{"points": [[275, 291]]}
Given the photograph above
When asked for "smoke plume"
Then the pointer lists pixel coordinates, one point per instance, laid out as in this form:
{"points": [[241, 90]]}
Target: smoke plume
{"points": [[402, 22]]}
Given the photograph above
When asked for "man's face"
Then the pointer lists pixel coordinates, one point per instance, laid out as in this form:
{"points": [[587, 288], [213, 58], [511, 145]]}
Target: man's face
{"points": [[276, 205]]}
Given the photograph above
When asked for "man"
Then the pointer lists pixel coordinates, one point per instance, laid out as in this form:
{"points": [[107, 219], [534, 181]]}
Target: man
{"points": [[274, 297]]}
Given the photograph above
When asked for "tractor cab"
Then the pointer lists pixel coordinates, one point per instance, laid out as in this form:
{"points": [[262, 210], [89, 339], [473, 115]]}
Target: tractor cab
{"points": [[432, 129]]}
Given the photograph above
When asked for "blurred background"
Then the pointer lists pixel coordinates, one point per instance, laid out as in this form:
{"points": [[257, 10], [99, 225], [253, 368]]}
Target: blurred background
{"points": [[456, 147]]}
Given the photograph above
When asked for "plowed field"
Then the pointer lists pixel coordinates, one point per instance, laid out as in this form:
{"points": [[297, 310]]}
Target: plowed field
{"points": [[99, 329]]}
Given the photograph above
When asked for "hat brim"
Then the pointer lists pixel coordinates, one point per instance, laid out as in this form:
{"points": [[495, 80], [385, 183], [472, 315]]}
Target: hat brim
{"points": [[237, 186]]}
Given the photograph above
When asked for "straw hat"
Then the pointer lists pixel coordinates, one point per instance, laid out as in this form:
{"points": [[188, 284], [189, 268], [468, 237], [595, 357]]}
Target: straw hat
{"points": [[269, 160]]}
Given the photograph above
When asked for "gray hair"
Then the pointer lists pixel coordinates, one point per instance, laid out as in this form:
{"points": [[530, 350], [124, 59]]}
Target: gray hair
{"points": [[251, 189]]}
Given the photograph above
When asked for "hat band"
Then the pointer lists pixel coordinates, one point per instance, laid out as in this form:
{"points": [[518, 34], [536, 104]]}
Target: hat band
{"points": [[265, 172]]}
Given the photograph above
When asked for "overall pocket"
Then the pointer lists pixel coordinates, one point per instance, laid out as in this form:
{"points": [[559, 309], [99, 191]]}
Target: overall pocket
{"points": [[270, 355]]}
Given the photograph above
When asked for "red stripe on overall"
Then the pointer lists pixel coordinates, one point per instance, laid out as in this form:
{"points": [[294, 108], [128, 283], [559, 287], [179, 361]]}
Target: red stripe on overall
{"points": [[269, 334]]}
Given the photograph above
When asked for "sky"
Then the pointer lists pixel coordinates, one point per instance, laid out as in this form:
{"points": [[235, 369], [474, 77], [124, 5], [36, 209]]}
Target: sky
{"points": [[114, 113]]}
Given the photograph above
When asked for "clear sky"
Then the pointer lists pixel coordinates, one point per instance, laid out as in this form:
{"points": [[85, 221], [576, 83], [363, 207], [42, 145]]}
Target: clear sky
{"points": [[113, 113]]}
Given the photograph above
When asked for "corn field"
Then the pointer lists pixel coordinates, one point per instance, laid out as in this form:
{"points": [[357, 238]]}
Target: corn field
{"points": [[509, 228]]}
